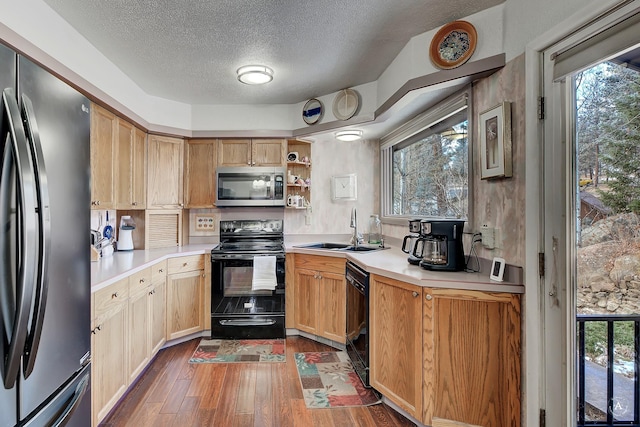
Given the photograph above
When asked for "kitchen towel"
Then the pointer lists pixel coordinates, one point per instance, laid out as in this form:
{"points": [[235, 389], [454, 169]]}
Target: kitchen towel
{"points": [[264, 273]]}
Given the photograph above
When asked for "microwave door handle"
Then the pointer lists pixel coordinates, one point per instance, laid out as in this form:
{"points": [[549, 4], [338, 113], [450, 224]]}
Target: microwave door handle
{"points": [[26, 200], [44, 235]]}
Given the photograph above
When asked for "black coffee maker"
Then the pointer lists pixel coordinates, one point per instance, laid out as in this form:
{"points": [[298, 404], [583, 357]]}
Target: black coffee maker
{"points": [[410, 240], [440, 245]]}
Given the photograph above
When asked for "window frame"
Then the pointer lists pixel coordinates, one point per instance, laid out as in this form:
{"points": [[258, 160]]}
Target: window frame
{"points": [[411, 130]]}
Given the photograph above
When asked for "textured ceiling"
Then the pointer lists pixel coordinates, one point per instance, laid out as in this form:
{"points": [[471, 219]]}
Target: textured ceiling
{"points": [[189, 50]]}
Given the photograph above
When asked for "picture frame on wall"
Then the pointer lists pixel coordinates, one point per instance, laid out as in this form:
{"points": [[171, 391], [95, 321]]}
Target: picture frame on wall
{"points": [[495, 142]]}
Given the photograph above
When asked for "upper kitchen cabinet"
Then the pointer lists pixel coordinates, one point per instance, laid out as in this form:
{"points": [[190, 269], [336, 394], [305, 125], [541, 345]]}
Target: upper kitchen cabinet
{"points": [[165, 164], [103, 153], [251, 152], [131, 173], [200, 173]]}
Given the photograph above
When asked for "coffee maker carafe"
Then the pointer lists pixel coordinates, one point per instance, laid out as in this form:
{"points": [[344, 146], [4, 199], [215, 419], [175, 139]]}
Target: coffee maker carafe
{"points": [[410, 240], [440, 245]]}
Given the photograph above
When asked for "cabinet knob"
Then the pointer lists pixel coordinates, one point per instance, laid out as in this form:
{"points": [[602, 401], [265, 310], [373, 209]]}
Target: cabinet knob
{"points": [[114, 295], [181, 205], [151, 292], [134, 203], [184, 264], [161, 271], [141, 280], [249, 163], [428, 297], [415, 294]]}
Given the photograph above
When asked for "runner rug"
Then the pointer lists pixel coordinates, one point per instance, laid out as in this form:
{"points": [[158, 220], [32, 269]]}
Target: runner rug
{"points": [[233, 351], [329, 381]]}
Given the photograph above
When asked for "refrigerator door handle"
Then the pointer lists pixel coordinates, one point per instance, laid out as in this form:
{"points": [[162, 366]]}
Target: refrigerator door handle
{"points": [[81, 389], [26, 247], [44, 234]]}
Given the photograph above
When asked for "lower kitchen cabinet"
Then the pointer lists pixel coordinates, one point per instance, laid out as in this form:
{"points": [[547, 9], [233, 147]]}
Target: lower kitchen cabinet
{"points": [[395, 358], [109, 348], [446, 353], [319, 296], [158, 303], [185, 293], [471, 357], [139, 323]]}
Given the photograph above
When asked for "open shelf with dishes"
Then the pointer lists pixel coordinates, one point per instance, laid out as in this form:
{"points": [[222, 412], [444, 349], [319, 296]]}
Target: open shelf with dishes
{"points": [[298, 174]]}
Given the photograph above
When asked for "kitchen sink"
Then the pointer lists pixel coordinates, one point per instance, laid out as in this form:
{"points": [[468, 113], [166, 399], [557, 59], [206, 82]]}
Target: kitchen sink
{"points": [[324, 245], [339, 247]]}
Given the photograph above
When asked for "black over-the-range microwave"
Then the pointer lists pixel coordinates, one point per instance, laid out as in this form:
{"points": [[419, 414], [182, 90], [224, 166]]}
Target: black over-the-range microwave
{"points": [[250, 186]]}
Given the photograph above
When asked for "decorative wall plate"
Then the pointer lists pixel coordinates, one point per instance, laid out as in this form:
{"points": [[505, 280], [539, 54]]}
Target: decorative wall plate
{"points": [[453, 44], [312, 111], [345, 104]]}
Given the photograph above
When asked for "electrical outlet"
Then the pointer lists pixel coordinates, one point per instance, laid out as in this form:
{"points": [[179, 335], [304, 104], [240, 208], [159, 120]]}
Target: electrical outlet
{"points": [[204, 222], [488, 236], [307, 216], [497, 238]]}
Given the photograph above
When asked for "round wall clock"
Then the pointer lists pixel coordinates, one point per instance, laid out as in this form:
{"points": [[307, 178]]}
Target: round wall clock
{"points": [[345, 104], [453, 44], [312, 111]]}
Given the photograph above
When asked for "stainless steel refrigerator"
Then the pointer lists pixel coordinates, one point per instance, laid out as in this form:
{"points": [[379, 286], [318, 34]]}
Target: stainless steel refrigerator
{"points": [[45, 284]]}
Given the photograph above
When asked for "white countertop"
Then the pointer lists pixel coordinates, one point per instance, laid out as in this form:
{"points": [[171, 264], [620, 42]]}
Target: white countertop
{"points": [[391, 262], [121, 264]]}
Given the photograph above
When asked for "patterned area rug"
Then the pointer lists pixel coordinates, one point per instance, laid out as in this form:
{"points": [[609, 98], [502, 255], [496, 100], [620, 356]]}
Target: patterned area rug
{"points": [[231, 351], [328, 381]]}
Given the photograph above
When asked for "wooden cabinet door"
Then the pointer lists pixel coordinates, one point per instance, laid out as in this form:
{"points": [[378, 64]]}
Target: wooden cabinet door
{"points": [[139, 315], [396, 342], [158, 315], [332, 306], [234, 152], [103, 155], [131, 166], [184, 303], [200, 173], [124, 163], [268, 152], [472, 357], [139, 170], [109, 360], [306, 300], [165, 178]]}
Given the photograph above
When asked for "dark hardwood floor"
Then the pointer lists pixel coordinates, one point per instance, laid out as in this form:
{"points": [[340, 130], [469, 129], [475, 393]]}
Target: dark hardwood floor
{"points": [[173, 392]]}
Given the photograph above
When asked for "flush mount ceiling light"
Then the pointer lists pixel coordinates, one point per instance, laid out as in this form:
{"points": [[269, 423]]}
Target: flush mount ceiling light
{"points": [[349, 135], [255, 74]]}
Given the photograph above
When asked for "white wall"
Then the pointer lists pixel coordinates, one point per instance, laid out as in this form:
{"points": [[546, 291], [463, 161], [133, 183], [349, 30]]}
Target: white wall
{"points": [[413, 61], [330, 158]]}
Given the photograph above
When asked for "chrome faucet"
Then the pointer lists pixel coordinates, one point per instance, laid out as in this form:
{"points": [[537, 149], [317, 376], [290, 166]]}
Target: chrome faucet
{"points": [[356, 238]]}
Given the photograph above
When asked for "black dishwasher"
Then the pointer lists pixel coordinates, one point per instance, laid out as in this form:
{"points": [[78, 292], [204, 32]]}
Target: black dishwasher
{"points": [[358, 320]]}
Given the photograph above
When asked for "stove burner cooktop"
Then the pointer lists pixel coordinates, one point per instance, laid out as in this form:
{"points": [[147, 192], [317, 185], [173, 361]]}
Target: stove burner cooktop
{"points": [[250, 236]]}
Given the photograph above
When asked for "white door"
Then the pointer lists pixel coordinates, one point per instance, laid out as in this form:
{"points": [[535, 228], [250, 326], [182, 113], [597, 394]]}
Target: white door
{"points": [[563, 164]]}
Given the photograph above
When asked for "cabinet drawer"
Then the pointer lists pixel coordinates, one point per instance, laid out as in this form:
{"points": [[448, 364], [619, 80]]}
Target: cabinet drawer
{"points": [[159, 272], [111, 298], [321, 263], [141, 279], [185, 263]]}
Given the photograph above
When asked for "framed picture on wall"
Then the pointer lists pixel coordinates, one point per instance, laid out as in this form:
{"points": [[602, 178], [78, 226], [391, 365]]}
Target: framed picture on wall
{"points": [[495, 142]]}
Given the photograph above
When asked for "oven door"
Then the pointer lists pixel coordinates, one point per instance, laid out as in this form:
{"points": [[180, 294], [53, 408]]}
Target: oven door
{"points": [[232, 276], [237, 310]]}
